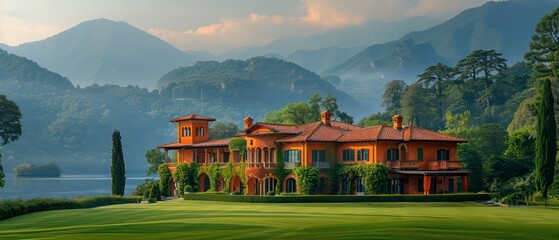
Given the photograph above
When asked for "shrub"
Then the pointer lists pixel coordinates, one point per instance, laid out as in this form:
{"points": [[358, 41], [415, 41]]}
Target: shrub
{"points": [[287, 198], [152, 200], [12, 208], [164, 180], [143, 188], [270, 193], [307, 179], [188, 189], [181, 176], [155, 192]]}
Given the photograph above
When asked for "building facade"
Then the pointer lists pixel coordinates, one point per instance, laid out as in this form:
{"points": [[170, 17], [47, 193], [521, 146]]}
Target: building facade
{"points": [[422, 161]]}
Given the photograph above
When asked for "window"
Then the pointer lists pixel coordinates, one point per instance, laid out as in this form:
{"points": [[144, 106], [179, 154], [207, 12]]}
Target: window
{"points": [[188, 132], [202, 131], [318, 156], [293, 156], [197, 131], [392, 154], [290, 185], [360, 185], [420, 154], [226, 157], [443, 155], [363, 154], [348, 155]]}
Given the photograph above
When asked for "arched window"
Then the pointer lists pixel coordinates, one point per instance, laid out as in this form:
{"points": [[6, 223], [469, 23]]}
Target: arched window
{"points": [[197, 131], [202, 131], [290, 185], [188, 132]]}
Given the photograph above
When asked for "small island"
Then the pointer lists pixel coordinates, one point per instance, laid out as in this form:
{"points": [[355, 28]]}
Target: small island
{"points": [[30, 170]]}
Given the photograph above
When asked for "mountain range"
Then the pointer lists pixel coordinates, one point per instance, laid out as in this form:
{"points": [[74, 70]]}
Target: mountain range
{"points": [[106, 52]]}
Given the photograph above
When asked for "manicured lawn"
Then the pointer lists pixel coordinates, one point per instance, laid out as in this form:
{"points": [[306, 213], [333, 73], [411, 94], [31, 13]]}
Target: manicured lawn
{"points": [[180, 219]]}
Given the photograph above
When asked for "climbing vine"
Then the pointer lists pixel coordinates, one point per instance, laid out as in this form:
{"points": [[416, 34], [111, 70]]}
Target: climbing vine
{"points": [[164, 180], [181, 177], [280, 172], [374, 177], [212, 171], [307, 179], [227, 172]]}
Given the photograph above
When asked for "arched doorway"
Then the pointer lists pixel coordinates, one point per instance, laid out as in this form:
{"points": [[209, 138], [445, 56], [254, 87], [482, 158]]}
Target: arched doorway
{"points": [[220, 183], [323, 186], [269, 185], [253, 186], [204, 183], [290, 185], [236, 184]]}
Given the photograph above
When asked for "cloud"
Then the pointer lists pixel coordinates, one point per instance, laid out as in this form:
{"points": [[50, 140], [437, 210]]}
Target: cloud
{"points": [[318, 16], [14, 32]]}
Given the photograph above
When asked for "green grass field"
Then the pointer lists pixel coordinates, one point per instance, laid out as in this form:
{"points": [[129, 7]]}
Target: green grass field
{"points": [[180, 219]]}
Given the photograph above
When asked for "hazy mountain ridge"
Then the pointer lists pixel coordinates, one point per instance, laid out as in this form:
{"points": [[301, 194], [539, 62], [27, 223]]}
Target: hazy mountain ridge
{"points": [[504, 26], [106, 52], [348, 37]]}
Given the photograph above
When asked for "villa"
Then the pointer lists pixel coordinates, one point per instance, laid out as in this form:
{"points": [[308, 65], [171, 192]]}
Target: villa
{"points": [[422, 161]]}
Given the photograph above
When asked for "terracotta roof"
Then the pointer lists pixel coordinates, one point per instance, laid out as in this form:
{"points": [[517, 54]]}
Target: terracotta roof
{"points": [[208, 143], [364, 134], [192, 117], [418, 133]]}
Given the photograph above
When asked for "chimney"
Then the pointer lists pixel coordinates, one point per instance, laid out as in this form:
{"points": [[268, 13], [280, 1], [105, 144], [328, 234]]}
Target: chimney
{"points": [[397, 121], [248, 122], [325, 117]]}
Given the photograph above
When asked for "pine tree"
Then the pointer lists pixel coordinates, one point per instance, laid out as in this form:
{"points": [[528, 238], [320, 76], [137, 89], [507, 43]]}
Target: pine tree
{"points": [[117, 166], [546, 145]]}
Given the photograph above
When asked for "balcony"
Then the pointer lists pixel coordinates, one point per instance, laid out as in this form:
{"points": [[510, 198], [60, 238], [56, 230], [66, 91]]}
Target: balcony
{"points": [[321, 165], [445, 165], [261, 165], [291, 165], [411, 164]]}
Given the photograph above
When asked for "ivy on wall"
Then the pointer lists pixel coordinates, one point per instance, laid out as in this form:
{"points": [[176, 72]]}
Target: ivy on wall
{"points": [[164, 180], [307, 179], [374, 177], [212, 171]]}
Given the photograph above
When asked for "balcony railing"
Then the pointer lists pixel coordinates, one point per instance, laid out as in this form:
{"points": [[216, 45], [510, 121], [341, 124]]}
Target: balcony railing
{"points": [[411, 164], [261, 165], [320, 165], [444, 165], [291, 165]]}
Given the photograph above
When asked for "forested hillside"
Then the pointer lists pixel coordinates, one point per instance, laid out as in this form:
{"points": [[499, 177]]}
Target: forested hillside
{"points": [[73, 125]]}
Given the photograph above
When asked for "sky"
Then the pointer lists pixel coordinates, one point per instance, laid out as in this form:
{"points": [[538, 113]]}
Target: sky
{"points": [[214, 25]]}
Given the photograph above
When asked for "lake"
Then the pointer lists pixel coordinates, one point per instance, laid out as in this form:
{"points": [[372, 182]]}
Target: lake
{"points": [[67, 186]]}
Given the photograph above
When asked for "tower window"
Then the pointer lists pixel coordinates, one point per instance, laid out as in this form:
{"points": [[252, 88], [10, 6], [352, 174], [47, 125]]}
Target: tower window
{"points": [[202, 131]]}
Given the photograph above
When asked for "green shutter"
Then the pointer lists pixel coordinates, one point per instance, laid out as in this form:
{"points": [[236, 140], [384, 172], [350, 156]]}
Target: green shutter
{"points": [[420, 154]]}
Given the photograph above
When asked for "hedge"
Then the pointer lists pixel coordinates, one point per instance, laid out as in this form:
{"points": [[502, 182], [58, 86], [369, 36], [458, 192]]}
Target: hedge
{"points": [[12, 208], [457, 197]]}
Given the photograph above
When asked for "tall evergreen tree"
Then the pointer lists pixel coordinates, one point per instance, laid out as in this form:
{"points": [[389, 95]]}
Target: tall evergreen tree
{"points": [[117, 166], [544, 46], [10, 127], [546, 145]]}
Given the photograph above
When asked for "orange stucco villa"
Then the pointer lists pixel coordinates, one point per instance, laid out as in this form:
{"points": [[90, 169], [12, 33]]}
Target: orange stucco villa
{"points": [[422, 161]]}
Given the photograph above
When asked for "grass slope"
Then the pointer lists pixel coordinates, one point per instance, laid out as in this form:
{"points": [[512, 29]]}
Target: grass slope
{"points": [[181, 219]]}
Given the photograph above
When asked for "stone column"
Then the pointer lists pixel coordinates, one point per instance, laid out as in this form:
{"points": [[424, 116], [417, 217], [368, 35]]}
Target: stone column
{"points": [[426, 185], [465, 183]]}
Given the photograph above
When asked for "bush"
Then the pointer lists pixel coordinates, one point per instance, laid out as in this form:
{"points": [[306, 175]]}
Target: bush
{"points": [[164, 180], [155, 192], [285, 198], [12, 208], [307, 179], [270, 193], [143, 188], [188, 189], [152, 200]]}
